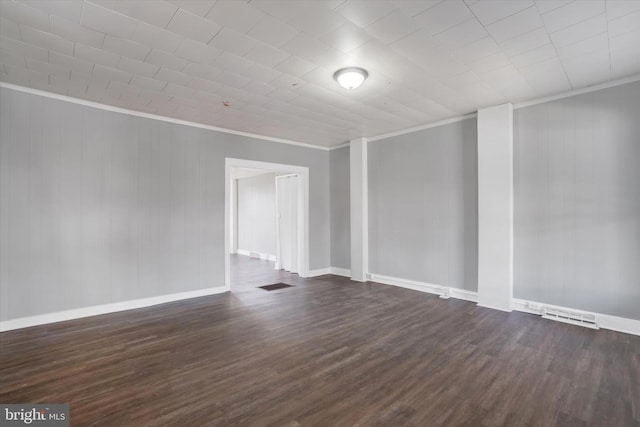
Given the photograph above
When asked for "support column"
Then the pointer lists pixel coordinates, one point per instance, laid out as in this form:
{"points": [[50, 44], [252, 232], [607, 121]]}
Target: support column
{"points": [[359, 210], [495, 207]]}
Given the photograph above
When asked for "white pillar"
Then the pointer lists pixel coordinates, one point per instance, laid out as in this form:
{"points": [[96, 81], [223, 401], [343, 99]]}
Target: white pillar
{"points": [[495, 207], [359, 210]]}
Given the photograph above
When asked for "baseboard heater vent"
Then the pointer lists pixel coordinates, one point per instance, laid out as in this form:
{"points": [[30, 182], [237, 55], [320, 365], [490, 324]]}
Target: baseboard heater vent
{"points": [[587, 320]]}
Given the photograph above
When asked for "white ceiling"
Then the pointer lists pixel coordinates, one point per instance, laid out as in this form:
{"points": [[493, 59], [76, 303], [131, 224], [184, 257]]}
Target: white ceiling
{"points": [[272, 61]]}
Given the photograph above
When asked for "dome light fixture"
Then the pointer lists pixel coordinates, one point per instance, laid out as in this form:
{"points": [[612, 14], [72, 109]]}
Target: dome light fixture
{"points": [[351, 77]]}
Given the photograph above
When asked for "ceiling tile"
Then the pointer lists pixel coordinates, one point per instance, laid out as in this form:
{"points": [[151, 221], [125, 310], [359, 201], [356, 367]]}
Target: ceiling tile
{"points": [[599, 42], [9, 28], [515, 25], [75, 32], [490, 11], [444, 16], [545, 6], [108, 73], [414, 44], [198, 7], [525, 42], [392, 27], [237, 15], [624, 24], [306, 47], [261, 73], [125, 47], [134, 66], [46, 40], [469, 31], [197, 52], [624, 63], [533, 56], [165, 59], [202, 71], [232, 41], [233, 63], [476, 50], [172, 76], [148, 83], [70, 62], [48, 68], [193, 26], [157, 12], [156, 37], [18, 48], [347, 37], [365, 12], [23, 14], [271, 31], [627, 41], [588, 69], [620, 8], [266, 55], [295, 66], [98, 56], [572, 13], [578, 32], [547, 77], [313, 17], [107, 21], [415, 7], [68, 9]]}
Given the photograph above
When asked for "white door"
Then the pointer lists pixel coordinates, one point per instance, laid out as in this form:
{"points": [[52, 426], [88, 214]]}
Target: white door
{"points": [[287, 227]]}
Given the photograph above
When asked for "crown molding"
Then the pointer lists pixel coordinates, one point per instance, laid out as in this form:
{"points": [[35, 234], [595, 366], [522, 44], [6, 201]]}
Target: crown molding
{"points": [[422, 127], [577, 92], [155, 116]]}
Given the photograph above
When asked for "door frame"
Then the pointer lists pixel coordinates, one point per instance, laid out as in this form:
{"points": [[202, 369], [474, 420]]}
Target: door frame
{"points": [[303, 210]]}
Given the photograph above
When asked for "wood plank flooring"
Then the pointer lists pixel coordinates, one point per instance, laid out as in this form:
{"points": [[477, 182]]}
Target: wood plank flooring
{"points": [[326, 352]]}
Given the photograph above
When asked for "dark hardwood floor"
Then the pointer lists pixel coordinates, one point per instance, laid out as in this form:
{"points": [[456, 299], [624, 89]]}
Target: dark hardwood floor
{"points": [[326, 352]]}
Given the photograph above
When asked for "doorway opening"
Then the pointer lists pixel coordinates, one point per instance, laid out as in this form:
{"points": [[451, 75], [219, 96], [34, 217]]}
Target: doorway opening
{"points": [[266, 222]]}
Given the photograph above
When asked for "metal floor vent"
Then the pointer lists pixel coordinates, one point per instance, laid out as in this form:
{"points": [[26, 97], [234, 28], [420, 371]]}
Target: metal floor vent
{"points": [[575, 318], [275, 286]]}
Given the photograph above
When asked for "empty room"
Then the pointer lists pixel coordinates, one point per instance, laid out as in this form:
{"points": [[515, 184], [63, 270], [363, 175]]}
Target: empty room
{"points": [[320, 213]]}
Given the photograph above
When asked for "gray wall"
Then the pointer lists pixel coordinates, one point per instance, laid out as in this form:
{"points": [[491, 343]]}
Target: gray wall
{"points": [[98, 207], [577, 202], [423, 206], [257, 214], [340, 208]]}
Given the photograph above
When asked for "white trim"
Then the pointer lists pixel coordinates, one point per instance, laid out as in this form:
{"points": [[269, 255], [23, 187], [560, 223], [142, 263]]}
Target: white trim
{"points": [[155, 116], [358, 209], [260, 255], [577, 92], [303, 242], [337, 271], [335, 147], [319, 272], [422, 127], [604, 321], [425, 287], [77, 313]]}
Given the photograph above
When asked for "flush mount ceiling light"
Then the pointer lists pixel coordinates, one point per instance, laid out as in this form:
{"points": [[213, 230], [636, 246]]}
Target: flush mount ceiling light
{"points": [[350, 78]]}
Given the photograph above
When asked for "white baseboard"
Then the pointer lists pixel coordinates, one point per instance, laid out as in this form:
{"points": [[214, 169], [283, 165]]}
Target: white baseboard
{"points": [[425, 287], [345, 272], [253, 254], [77, 313], [604, 321], [319, 272], [330, 270]]}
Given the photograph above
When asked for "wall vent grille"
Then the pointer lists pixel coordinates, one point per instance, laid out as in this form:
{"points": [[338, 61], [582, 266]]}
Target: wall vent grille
{"points": [[588, 320]]}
